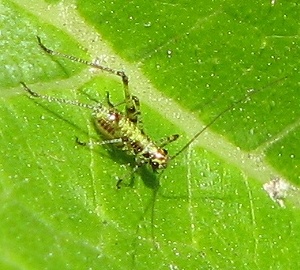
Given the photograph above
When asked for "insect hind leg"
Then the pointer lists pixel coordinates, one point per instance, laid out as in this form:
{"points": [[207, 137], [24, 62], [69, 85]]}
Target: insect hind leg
{"points": [[88, 63], [58, 100], [132, 106]]}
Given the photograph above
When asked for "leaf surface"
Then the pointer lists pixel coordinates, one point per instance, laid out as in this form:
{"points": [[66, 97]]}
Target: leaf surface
{"points": [[187, 63]]}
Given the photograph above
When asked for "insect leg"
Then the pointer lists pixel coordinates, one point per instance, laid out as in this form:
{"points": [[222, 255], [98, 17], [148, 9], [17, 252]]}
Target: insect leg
{"points": [[85, 62], [109, 103], [90, 144], [166, 140], [134, 112], [132, 102], [130, 175], [59, 100]]}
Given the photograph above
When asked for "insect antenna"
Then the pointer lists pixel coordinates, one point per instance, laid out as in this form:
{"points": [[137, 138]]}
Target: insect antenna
{"points": [[250, 93]]}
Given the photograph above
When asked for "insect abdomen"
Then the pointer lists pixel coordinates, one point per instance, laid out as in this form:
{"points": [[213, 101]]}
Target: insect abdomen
{"points": [[108, 122]]}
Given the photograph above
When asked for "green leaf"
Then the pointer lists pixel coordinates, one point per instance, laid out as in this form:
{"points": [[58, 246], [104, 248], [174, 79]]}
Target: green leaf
{"points": [[187, 62]]}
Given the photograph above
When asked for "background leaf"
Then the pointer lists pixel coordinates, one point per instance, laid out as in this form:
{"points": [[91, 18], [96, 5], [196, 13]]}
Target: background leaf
{"points": [[187, 63]]}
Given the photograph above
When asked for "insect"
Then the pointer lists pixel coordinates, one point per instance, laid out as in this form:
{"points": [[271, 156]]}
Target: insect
{"points": [[125, 129]]}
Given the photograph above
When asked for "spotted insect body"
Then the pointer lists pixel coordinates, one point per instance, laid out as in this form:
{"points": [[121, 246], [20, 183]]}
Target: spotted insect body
{"points": [[114, 125], [123, 129]]}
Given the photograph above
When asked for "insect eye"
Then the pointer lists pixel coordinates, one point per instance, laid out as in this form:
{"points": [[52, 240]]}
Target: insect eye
{"points": [[131, 109], [154, 165]]}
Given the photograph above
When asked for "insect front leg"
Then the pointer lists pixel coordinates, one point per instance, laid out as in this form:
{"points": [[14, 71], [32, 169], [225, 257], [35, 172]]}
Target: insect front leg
{"points": [[166, 140], [130, 175]]}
